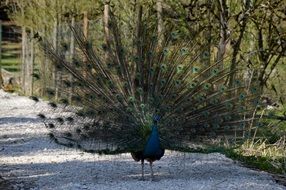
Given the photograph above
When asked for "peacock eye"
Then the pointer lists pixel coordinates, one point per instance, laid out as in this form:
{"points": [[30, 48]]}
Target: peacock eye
{"points": [[125, 84], [89, 66], [129, 109], [76, 62], [227, 118], [140, 90], [205, 55], [193, 84], [178, 83], [237, 82], [180, 68], [163, 67], [142, 106], [229, 106], [109, 65], [259, 124], [214, 72], [184, 51], [138, 76], [119, 97], [253, 90], [154, 37], [241, 125], [174, 35], [165, 51], [216, 126], [242, 96], [207, 86], [65, 46], [200, 98], [206, 113], [131, 99], [196, 69], [163, 81], [222, 88], [110, 84]]}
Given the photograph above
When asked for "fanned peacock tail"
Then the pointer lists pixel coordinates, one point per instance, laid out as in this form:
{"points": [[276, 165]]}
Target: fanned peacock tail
{"points": [[120, 87]]}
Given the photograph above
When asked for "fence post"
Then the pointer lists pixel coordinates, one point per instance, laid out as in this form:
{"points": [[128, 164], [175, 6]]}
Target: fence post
{"points": [[23, 65], [31, 66], [43, 70], [72, 52], [54, 68], [1, 78]]}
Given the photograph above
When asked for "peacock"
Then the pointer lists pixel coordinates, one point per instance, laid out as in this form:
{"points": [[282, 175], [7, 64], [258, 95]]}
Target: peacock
{"points": [[145, 93]]}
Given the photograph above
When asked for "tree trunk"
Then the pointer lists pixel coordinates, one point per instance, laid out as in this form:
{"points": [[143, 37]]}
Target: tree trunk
{"points": [[206, 56], [139, 65], [85, 24], [160, 21], [224, 33], [237, 43], [105, 24], [85, 33]]}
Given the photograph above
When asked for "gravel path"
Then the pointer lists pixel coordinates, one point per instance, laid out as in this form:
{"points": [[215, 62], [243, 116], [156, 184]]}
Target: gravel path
{"points": [[29, 160]]}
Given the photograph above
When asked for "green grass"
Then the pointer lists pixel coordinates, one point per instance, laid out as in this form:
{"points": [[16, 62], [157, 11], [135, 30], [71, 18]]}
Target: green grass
{"points": [[268, 164]]}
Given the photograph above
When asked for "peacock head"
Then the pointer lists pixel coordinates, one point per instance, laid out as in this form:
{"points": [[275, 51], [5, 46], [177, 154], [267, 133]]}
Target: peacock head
{"points": [[156, 119]]}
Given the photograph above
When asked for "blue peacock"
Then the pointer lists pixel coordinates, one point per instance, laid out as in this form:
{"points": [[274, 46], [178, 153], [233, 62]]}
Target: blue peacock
{"points": [[146, 94]]}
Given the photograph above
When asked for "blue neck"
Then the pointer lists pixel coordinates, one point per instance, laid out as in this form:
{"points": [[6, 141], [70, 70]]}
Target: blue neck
{"points": [[152, 146]]}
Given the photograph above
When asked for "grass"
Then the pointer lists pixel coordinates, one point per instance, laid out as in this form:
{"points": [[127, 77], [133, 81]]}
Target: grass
{"points": [[267, 150], [261, 155]]}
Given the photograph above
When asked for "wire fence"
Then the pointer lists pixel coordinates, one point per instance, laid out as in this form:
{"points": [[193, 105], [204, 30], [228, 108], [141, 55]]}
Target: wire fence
{"points": [[24, 64], [10, 52]]}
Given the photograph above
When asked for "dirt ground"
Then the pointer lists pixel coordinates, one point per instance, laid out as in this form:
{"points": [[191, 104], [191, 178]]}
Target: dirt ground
{"points": [[29, 160]]}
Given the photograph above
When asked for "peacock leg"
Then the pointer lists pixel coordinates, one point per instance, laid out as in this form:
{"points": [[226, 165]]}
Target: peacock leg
{"points": [[152, 174], [142, 170]]}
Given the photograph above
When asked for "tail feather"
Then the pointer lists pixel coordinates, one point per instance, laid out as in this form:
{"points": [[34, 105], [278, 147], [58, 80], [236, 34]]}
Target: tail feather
{"points": [[121, 86]]}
